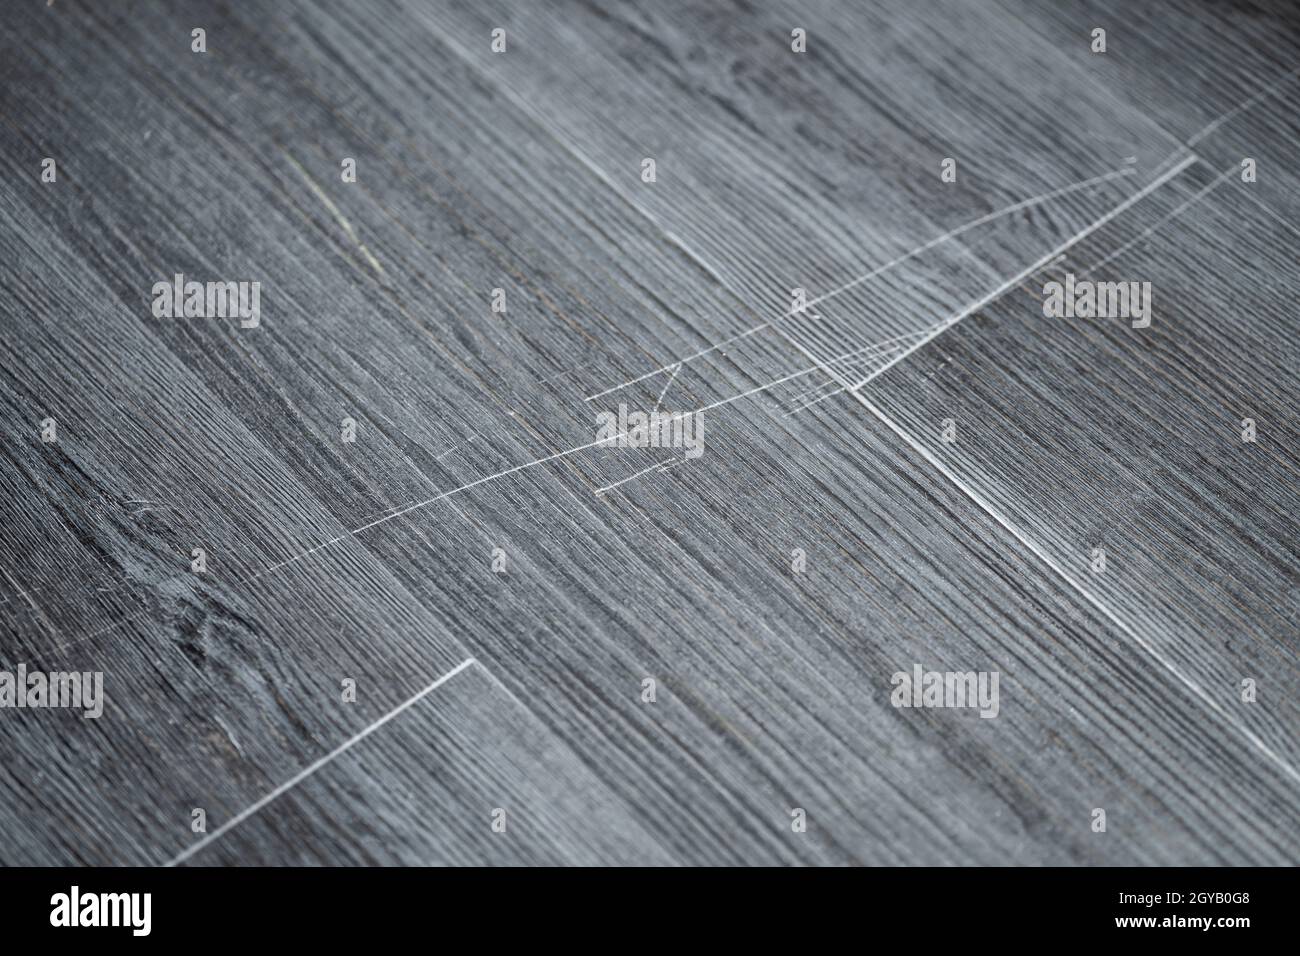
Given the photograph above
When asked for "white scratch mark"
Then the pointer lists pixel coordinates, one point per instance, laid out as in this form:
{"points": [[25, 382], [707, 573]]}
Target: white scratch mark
{"points": [[677, 368], [644, 471], [337, 213], [951, 234]]}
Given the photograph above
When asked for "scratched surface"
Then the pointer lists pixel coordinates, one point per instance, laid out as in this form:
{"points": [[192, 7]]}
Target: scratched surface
{"points": [[516, 696]]}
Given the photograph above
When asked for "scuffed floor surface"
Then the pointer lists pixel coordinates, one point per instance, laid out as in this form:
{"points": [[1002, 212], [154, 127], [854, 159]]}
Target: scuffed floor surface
{"points": [[495, 432]]}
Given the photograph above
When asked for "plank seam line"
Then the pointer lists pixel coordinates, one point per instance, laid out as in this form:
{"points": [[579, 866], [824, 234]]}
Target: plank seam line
{"points": [[1033, 267], [522, 105], [1168, 217], [878, 270], [1243, 106], [406, 509], [1168, 665], [1196, 690], [1190, 684], [565, 143], [594, 169], [941, 327], [311, 768], [554, 456]]}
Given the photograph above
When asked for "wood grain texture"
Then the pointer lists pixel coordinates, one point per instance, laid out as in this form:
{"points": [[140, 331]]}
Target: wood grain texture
{"points": [[1131, 440], [445, 766], [520, 171], [828, 162]]}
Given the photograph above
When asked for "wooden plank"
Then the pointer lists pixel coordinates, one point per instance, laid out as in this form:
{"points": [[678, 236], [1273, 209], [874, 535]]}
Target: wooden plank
{"points": [[1228, 94], [1089, 433], [815, 170], [464, 777]]}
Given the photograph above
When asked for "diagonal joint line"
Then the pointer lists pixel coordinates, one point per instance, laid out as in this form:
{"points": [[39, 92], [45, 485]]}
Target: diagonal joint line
{"points": [[317, 765]]}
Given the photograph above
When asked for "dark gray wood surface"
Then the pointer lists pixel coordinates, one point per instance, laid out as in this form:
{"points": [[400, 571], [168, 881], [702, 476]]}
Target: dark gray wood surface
{"points": [[522, 691]]}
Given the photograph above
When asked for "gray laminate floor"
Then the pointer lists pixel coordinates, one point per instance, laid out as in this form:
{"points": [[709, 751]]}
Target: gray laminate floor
{"points": [[362, 582]]}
